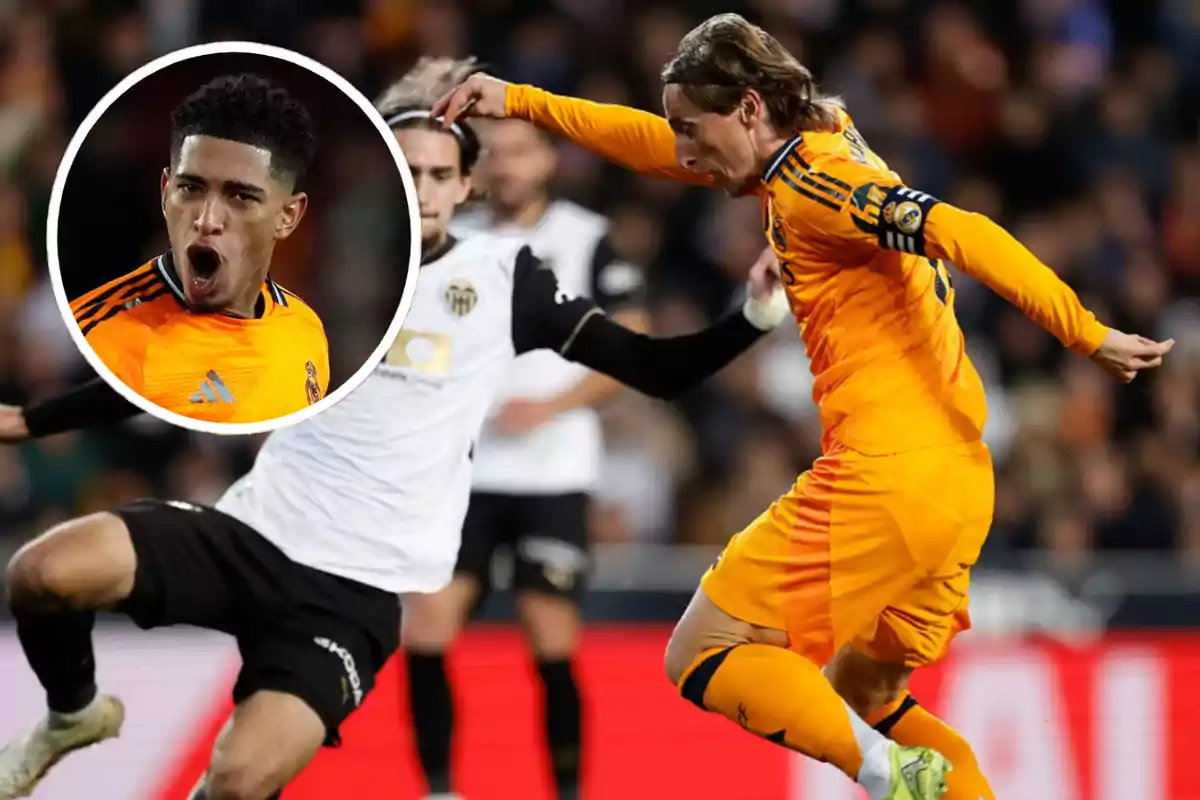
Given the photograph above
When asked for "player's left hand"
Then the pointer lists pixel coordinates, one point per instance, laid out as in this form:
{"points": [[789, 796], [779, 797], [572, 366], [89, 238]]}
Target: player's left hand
{"points": [[521, 417], [1124, 355], [12, 425]]}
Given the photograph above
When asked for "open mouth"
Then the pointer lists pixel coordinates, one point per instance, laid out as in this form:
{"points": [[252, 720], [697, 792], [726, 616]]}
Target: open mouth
{"points": [[204, 262]]}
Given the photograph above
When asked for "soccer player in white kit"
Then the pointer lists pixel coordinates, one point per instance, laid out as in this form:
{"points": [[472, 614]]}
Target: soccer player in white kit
{"points": [[303, 558], [536, 464]]}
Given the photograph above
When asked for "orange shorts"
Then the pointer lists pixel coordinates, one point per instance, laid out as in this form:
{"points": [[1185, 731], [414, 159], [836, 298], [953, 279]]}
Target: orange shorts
{"points": [[874, 551]]}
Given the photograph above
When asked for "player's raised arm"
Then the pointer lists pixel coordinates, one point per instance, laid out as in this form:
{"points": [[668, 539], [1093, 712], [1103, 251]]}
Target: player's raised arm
{"points": [[89, 405], [544, 317], [637, 140]]}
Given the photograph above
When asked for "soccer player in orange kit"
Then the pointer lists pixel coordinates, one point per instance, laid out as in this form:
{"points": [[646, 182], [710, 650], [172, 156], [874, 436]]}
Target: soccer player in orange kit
{"points": [[202, 330], [863, 566]]}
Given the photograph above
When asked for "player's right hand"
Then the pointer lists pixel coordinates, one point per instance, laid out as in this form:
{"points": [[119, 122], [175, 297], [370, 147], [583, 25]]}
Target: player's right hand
{"points": [[764, 275], [480, 95], [1125, 355], [12, 425]]}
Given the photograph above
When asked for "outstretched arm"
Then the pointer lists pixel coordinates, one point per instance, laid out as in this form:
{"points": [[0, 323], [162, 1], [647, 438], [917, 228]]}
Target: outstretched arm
{"points": [[637, 140], [89, 405], [545, 318], [887, 216]]}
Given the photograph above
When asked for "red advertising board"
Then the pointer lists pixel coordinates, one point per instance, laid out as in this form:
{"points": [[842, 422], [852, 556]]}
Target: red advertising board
{"points": [[1113, 719], [1109, 720]]}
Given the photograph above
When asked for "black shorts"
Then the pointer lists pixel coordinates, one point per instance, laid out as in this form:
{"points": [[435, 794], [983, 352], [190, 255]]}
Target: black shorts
{"points": [[546, 535], [301, 631]]}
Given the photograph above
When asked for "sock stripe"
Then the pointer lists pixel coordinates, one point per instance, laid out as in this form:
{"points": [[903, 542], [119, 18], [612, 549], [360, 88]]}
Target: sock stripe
{"points": [[696, 683], [887, 723]]}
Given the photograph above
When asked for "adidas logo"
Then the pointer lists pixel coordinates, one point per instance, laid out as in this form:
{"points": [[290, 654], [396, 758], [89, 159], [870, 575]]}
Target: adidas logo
{"points": [[212, 390]]}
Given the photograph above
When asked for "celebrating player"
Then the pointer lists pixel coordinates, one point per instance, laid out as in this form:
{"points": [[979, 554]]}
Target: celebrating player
{"points": [[302, 559], [202, 330], [536, 462], [863, 566]]}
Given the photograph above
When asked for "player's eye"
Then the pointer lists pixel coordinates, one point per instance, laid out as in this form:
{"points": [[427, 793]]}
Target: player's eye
{"points": [[188, 189], [245, 197]]}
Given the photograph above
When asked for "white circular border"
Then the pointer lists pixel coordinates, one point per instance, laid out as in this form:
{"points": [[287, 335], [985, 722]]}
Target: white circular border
{"points": [[56, 196]]}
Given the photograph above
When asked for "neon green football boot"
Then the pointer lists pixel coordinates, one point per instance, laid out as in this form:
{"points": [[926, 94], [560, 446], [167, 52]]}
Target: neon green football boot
{"points": [[918, 773]]}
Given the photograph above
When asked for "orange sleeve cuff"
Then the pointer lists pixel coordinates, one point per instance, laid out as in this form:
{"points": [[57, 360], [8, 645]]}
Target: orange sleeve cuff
{"points": [[987, 252]]}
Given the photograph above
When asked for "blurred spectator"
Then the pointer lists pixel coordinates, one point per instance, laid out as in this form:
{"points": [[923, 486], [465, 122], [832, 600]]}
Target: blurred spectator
{"points": [[1074, 122]]}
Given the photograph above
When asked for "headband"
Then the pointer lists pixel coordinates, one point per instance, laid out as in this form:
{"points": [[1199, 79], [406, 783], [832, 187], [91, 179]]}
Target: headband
{"points": [[405, 116]]}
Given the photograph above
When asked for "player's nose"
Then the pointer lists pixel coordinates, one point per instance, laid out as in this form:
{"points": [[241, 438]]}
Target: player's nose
{"points": [[685, 155], [211, 218]]}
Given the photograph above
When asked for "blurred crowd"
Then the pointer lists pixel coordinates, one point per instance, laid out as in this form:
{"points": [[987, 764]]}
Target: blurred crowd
{"points": [[1076, 123]]}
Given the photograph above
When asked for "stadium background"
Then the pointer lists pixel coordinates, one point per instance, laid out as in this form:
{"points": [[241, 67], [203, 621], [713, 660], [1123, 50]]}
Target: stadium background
{"points": [[1075, 122]]}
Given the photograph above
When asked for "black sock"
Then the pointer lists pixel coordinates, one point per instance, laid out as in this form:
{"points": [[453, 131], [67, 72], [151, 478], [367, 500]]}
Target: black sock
{"points": [[58, 646], [563, 724], [432, 715]]}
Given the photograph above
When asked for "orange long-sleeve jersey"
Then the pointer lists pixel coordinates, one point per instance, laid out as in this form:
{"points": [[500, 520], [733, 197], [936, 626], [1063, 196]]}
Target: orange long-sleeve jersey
{"points": [[210, 367], [863, 258]]}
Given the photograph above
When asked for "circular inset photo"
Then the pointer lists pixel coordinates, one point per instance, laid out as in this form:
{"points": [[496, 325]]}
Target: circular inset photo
{"points": [[234, 238]]}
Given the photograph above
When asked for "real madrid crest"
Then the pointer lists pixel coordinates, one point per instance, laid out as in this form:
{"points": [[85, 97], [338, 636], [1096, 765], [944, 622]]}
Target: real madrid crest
{"points": [[312, 386], [461, 297], [908, 217]]}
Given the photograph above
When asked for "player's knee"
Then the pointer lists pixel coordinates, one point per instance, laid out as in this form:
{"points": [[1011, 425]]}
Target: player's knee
{"points": [[865, 684], [552, 624], [431, 622], [39, 576], [679, 655], [85, 563]]}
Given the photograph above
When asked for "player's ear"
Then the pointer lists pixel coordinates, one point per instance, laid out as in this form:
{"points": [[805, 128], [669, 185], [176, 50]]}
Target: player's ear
{"points": [[290, 215], [749, 108], [468, 183], [164, 183]]}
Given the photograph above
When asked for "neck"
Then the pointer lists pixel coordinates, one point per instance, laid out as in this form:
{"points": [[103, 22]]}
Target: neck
{"points": [[434, 243], [245, 306], [436, 246], [769, 150], [526, 215]]}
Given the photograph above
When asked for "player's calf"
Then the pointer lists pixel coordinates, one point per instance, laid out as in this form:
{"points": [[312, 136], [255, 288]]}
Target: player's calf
{"points": [[429, 625], [552, 625], [879, 692]]}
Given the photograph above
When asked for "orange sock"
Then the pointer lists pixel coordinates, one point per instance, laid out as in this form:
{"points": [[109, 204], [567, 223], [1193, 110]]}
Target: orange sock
{"points": [[783, 697], [906, 723]]}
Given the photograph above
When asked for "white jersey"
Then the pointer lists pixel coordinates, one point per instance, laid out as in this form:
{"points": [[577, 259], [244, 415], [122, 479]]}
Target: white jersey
{"points": [[375, 489], [563, 455]]}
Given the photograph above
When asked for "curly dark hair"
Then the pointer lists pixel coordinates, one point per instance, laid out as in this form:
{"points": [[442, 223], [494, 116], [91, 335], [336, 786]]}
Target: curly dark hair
{"points": [[252, 110]]}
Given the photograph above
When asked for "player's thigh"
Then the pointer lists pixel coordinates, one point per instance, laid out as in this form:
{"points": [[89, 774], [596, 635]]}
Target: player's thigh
{"points": [[776, 573], [328, 662], [945, 537], [195, 566], [432, 621], [484, 529], [267, 742], [551, 560], [825, 560], [86, 563], [704, 626]]}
